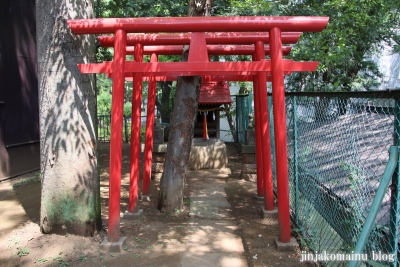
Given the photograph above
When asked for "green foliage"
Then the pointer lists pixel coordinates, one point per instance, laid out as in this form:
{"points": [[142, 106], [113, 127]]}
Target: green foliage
{"points": [[104, 54], [40, 260], [22, 252], [83, 258], [61, 262], [242, 7], [128, 109], [104, 86], [140, 8], [35, 178], [355, 30]]}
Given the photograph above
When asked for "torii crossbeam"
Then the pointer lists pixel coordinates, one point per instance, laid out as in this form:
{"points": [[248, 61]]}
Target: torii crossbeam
{"points": [[273, 30]]}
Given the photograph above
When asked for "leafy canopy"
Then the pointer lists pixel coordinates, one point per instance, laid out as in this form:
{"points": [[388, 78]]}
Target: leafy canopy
{"points": [[355, 31]]}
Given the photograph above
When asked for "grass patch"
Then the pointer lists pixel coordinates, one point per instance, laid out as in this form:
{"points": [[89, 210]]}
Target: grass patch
{"points": [[35, 178], [22, 252]]}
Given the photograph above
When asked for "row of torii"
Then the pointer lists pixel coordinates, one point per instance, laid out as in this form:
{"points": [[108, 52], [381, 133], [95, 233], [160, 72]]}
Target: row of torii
{"points": [[206, 36]]}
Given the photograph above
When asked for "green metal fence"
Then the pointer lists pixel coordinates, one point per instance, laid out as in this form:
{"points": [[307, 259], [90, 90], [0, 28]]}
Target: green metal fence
{"points": [[104, 128], [234, 118], [338, 149]]}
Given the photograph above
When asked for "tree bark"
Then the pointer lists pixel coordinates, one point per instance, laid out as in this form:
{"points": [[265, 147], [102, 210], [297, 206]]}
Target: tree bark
{"points": [[179, 143], [232, 127], [181, 131], [70, 181]]}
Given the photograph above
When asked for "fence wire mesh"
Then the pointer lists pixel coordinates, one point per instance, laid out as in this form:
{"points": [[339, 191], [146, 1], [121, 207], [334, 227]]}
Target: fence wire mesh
{"points": [[338, 147], [337, 152]]}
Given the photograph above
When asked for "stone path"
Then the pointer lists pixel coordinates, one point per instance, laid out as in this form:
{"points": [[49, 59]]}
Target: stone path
{"points": [[213, 238]]}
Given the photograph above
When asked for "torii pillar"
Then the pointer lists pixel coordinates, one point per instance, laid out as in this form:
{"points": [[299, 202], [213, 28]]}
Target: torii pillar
{"points": [[148, 149], [282, 173], [117, 111], [263, 130], [133, 210]]}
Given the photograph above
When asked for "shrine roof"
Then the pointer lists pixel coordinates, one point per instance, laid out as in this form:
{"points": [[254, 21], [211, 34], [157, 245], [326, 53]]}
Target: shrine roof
{"points": [[214, 93]]}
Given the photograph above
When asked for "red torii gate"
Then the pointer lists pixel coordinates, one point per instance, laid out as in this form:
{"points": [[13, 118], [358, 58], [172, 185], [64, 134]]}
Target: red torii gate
{"points": [[227, 50], [173, 39], [198, 65], [108, 41]]}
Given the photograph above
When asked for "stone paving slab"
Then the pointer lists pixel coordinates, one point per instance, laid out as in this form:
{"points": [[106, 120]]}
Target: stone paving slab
{"points": [[213, 238]]}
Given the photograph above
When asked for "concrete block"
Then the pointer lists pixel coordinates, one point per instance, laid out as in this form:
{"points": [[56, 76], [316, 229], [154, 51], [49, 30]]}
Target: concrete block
{"points": [[269, 214], [160, 148], [145, 198], [158, 157], [258, 198], [133, 215], [250, 137], [208, 154], [166, 133], [249, 168], [247, 149], [107, 246], [158, 137], [249, 176], [157, 167], [249, 158], [291, 246], [156, 176]]}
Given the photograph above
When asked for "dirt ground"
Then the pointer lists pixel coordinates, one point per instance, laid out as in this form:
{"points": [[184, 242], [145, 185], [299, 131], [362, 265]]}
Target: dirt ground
{"points": [[154, 240]]}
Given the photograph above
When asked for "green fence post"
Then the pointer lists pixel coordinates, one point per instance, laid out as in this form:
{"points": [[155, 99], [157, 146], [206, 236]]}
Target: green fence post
{"points": [[377, 202], [126, 130], [236, 120], [108, 128], [250, 100], [395, 196], [295, 160]]}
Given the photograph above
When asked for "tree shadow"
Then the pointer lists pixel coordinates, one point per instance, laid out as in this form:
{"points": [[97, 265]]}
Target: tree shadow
{"points": [[68, 122], [20, 204]]}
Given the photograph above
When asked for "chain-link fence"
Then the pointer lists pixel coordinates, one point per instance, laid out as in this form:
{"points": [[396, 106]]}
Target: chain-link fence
{"points": [[338, 149], [338, 146]]}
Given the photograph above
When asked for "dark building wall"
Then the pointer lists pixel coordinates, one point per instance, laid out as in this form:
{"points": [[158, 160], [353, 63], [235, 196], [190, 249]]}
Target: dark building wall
{"points": [[19, 110]]}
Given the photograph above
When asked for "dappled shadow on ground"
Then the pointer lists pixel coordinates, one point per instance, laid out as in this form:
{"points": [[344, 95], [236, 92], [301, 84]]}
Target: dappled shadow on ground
{"points": [[227, 231], [20, 202]]}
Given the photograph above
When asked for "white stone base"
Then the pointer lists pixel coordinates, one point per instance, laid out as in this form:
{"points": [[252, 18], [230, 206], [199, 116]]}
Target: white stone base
{"points": [[208, 154]]}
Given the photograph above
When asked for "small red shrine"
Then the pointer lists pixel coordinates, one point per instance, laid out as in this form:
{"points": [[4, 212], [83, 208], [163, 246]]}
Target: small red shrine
{"points": [[213, 94]]}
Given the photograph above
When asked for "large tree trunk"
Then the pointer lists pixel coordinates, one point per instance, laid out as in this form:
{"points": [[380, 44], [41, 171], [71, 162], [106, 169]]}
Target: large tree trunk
{"points": [[179, 143], [181, 129], [70, 182]]}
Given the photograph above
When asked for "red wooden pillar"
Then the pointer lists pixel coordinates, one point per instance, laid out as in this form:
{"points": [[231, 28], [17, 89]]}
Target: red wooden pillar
{"points": [[117, 111], [259, 155], [148, 149], [278, 95], [205, 132], [265, 130], [135, 133]]}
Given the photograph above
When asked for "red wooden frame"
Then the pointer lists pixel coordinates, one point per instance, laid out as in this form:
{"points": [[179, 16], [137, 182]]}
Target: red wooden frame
{"points": [[205, 31]]}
